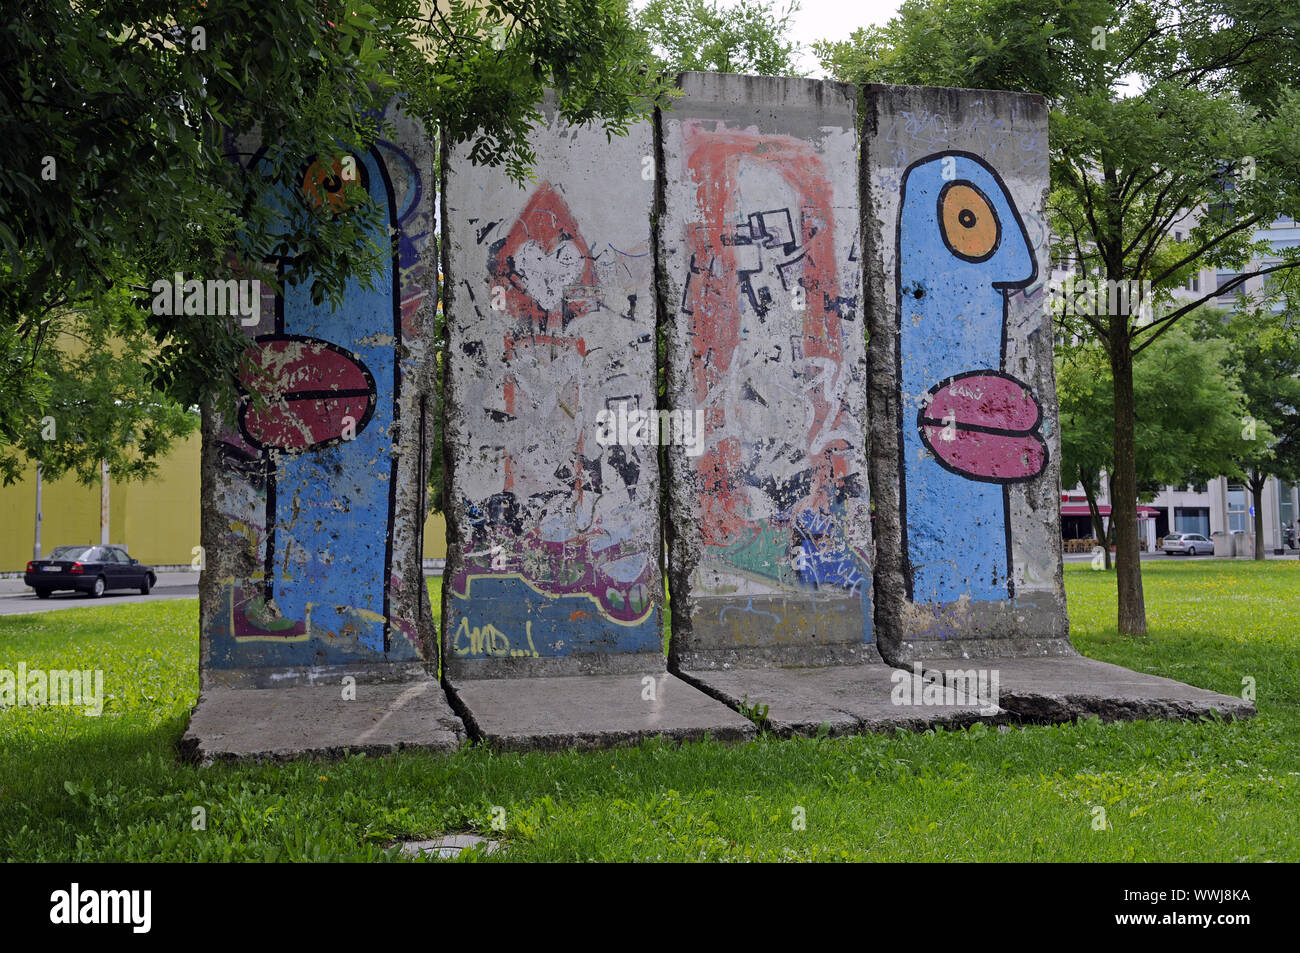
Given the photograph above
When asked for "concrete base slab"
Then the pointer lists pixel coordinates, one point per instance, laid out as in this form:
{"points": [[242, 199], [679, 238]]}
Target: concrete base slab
{"points": [[591, 711], [851, 699], [1063, 689], [316, 720]]}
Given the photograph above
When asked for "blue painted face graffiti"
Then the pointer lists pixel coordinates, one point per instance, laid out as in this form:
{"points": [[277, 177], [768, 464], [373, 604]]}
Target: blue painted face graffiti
{"points": [[327, 430], [969, 429]]}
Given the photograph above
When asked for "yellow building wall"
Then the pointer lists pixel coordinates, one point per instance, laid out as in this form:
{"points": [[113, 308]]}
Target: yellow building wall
{"points": [[161, 516], [435, 537], [71, 515], [158, 520]]}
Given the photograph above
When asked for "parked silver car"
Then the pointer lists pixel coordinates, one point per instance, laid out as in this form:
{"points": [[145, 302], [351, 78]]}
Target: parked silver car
{"points": [[1189, 544]]}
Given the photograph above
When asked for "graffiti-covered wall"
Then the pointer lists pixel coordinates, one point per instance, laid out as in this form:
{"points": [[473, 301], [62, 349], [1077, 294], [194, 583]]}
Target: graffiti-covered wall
{"points": [[964, 439], [553, 558], [721, 250], [313, 482], [770, 520]]}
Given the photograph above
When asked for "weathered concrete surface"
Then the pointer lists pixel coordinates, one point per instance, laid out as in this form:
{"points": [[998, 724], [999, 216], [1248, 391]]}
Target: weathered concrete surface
{"points": [[318, 720], [553, 563], [1063, 689], [964, 463], [848, 699], [553, 594], [965, 444], [592, 711], [450, 845], [770, 534], [313, 485]]}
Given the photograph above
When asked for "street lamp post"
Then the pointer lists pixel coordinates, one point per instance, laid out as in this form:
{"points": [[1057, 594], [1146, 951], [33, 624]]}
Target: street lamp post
{"points": [[36, 545]]}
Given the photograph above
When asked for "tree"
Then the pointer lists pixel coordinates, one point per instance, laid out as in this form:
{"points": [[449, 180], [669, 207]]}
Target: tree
{"points": [[700, 35], [111, 134], [1162, 113], [1264, 352], [1083, 397], [1190, 407], [477, 70], [93, 399], [114, 124]]}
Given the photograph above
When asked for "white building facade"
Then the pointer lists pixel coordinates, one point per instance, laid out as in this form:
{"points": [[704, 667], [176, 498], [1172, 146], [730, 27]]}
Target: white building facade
{"points": [[1219, 506]]}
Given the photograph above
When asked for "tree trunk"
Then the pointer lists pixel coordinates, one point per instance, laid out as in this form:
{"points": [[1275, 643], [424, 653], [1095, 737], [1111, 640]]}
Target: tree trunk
{"points": [[1098, 527], [1257, 481], [1132, 616]]}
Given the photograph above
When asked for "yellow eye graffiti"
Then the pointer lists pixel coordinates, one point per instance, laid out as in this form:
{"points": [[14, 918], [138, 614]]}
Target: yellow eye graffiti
{"points": [[323, 182], [967, 222]]}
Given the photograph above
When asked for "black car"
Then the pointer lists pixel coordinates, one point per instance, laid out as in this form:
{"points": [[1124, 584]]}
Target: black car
{"points": [[89, 569]]}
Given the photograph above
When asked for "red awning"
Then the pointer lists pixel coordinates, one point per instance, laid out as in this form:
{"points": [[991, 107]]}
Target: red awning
{"points": [[1081, 509]]}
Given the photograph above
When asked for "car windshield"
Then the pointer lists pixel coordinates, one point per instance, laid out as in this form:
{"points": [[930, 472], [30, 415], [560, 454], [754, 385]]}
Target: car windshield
{"points": [[69, 552], [1174, 536]]}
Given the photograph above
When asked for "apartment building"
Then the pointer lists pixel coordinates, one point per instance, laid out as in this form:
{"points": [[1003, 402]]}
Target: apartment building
{"points": [[1221, 505]]}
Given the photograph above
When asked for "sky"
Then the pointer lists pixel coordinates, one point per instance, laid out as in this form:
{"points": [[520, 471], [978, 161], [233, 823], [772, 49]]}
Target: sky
{"points": [[832, 20]]}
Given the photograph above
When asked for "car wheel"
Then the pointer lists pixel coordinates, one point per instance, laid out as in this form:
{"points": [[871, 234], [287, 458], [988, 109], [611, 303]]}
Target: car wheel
{"points": [[97, 589], [148, 584], [42, 593]]}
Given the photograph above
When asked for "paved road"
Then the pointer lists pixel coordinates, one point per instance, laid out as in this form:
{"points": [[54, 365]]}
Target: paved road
{"points": [[1087, 557], [16, 598]]}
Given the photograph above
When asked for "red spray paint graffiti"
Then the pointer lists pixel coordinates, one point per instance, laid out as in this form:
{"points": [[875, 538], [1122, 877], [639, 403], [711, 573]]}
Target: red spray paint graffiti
{"points": [[545, 270], [716, 297], [545, 524]]}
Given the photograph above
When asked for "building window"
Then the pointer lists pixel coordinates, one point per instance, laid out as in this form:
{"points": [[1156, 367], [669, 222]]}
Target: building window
{"points": [[1192, 519], [1273, 281], [1224, 278], [1194, 283], [1221, 212], [1237, 508]]}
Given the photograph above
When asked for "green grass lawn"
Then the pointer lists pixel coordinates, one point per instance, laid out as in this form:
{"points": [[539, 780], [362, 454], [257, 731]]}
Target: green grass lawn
{"points": [[110, 788]]}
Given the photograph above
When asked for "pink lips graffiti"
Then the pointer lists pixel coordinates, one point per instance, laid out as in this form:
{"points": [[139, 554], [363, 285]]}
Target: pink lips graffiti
{"points": [[312, 389], [984, 425]]}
